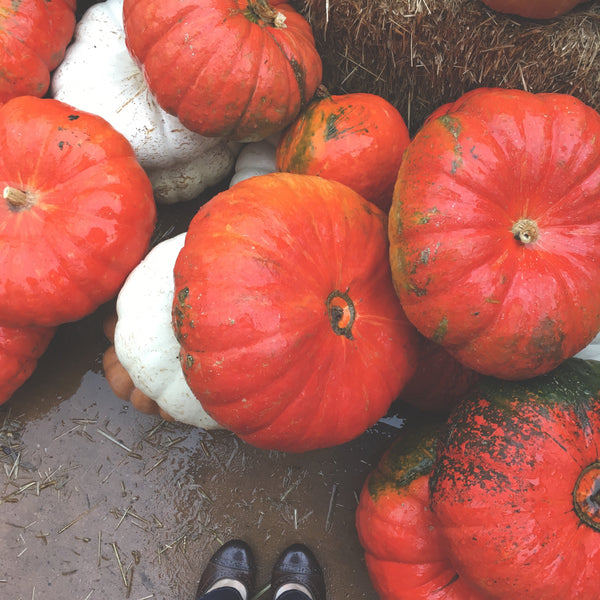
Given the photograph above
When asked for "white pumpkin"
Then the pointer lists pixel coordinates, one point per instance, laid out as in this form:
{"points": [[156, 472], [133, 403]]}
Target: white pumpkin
{"points": [[98, 75], [144, 339], [255, 158], [591, 351]]}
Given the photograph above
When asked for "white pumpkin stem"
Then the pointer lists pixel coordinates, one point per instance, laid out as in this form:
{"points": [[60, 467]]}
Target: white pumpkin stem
{"points": [[526, 231]]}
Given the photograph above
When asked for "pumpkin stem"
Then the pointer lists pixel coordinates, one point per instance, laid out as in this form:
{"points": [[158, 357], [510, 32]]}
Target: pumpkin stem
{"points": [[526, 231], [322, 91], [586, 496], [17, 199], [261, 10], [342, 313]]}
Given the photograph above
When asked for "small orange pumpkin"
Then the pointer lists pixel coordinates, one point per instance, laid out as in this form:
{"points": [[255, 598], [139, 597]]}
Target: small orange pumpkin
{"points": [[120, 381], [357, 139], [33, 39]]}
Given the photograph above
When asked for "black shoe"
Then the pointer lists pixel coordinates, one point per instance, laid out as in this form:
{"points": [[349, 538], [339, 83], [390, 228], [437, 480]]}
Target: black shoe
{"points": [[297, 564], [233, 560]]}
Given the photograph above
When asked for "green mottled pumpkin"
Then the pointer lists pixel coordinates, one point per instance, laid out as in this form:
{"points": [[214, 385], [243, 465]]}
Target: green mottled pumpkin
{"points": [[515, 488]]}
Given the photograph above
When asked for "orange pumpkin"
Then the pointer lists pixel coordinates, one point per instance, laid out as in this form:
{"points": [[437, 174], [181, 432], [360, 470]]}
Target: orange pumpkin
{"points": [[33, 37], [534, 9], [495, 228], [20, 349], [404, 549], [241, 69], [77, 215], [357, 139], [291, 333]]}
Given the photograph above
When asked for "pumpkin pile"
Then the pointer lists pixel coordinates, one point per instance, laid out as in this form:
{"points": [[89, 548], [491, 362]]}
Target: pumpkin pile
{"points": [[99, 75], [495, 246], [345, 266]]}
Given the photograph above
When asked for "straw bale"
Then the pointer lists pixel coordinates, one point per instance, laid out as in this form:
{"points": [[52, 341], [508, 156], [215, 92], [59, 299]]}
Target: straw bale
{"points": [[419, 54]]}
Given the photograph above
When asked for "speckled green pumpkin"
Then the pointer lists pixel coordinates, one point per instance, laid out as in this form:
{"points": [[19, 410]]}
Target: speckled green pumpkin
{"points": [[516, 486]]}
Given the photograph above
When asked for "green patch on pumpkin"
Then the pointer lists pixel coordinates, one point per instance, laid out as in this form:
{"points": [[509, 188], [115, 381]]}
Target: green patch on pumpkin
{"points": [[442, 329], [411, 456]]}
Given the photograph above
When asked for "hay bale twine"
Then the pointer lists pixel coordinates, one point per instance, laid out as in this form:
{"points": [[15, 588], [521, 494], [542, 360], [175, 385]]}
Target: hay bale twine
{"points": [[419, 54]]}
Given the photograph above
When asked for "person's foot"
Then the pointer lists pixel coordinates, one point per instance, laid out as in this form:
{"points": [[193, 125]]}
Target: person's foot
{"points": [[297, 568], [232, 565]]}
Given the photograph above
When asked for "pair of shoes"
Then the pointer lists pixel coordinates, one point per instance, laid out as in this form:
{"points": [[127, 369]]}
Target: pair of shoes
{"points": [[296, 565], [233, 560]]}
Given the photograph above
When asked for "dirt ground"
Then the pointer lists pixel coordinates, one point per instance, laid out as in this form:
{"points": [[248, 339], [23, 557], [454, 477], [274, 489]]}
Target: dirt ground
{"points": [[100, 501]]}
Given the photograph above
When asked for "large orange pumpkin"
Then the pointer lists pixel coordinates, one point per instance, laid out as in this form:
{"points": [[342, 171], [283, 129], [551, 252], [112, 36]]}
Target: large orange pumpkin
{"points": [[291, 333], [241, 69], [495, 230], [77, 213]]}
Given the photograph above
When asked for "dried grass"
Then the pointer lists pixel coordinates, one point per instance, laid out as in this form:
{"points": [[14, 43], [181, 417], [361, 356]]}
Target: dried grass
{"points": [[419, 54]]}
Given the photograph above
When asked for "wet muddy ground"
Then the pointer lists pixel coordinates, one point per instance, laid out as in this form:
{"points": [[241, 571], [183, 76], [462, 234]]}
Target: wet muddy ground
{"points": [[100, 501]]}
